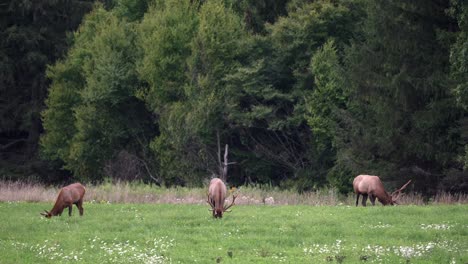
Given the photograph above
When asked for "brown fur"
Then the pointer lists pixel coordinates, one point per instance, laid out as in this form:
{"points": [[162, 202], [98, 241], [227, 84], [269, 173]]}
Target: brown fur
{"points": [[216, 196], [68, 195], [368, 185]]}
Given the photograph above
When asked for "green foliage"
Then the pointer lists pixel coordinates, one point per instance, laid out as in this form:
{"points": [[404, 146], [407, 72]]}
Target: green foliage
{"points": [[459, 62], [216, 51], [306, 28], [32, 35], [195, 49], [279, 83], [103, 113], [68, 80], [165, 35], [131, 10], [402, 116], [141, 233], [257, 13], [328, 97], [459, 52], [325, 107], [305, 93]]}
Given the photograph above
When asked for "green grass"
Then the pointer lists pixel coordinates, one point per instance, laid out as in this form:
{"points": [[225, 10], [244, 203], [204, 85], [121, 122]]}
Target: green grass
{"points": [[155, 233]]}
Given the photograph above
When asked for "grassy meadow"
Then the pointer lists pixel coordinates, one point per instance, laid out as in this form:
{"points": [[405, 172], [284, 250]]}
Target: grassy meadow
{"points": [[186, 233]]}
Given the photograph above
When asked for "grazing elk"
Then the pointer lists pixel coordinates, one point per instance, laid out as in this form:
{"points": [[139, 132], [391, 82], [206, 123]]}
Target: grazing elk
{"points": [[372, 186], [216, 197], [68, 195]]}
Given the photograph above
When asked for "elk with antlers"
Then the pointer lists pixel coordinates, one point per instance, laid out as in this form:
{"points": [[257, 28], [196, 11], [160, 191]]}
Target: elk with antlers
{"points": [[372, 186], [68, 195], [216, 197]]}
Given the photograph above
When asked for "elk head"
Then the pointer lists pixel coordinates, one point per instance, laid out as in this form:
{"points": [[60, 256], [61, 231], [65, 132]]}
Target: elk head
{"points": [[218, 212], [46, 214], [396, 194]]}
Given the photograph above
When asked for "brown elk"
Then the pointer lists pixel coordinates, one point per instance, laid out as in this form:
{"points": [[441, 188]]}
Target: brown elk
{"points": [[216, 197], [68, 195], [372, 186]]}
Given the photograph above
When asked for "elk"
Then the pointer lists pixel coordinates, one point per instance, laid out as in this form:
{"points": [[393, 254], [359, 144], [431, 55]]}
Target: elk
{"points": [[217, 196], [68, 195], [372, 186]]}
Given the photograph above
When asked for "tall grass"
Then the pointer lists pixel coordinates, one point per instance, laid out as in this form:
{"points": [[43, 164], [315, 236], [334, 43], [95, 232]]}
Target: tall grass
{"points": [[136, 192]]}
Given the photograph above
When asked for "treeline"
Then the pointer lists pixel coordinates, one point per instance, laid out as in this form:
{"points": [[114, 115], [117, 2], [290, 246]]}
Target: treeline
{"points": [[305, 93], [33, 34]]}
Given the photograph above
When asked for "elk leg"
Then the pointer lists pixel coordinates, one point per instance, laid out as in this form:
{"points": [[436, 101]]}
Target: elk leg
{"points": [[70, 209], [372, 199], [79, 204], [364, 199], [357, 199]]}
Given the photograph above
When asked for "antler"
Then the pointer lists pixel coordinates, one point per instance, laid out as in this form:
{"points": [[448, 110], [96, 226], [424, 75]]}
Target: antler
{"points": [[233, 202], [45, 214], [399, 190], [208, 200], [404, 186]]}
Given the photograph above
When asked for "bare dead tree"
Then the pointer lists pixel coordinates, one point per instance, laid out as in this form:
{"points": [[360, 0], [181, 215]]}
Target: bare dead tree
{"points": [[223, 165]]}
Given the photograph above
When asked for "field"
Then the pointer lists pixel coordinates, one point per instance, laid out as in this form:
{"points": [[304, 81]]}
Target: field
{"points": [[186, 233]]}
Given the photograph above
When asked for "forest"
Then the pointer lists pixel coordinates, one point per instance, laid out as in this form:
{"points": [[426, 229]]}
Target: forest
{"points": [[306, 93]]}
